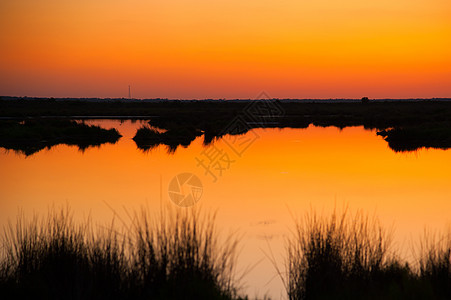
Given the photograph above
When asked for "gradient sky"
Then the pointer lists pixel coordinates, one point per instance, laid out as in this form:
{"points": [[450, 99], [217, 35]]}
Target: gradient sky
{"points": [[226, 48]]}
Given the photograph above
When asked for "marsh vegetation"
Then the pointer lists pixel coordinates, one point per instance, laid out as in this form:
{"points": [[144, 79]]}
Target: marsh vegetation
{"points": [[174, 255], [33, 135], [406, 125], [344, 256], [181, 255], [147, 138]]}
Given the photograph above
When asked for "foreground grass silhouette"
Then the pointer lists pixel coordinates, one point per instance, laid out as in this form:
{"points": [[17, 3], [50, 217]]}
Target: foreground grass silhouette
{"points": [[179, 255], [174, 256], [350, 257]]}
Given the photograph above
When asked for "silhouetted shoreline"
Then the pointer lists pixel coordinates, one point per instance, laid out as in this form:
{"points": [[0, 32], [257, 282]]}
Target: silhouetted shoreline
{"points": [[31, 136], [406, 125]]}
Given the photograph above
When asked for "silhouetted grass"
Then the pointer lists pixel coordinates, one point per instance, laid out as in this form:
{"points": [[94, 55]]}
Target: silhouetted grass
{"points": [[31, 136], [336, 254], [179, 255], [349, 257], [174, 256], [435, 264], [56, 259]]}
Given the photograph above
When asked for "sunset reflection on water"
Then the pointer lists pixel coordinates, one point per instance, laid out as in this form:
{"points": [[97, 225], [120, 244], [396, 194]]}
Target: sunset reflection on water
{"points": [[285, 172]]}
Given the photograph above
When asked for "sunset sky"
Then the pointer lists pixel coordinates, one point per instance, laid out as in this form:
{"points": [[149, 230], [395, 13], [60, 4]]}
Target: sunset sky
{"points": [[226, 49]]}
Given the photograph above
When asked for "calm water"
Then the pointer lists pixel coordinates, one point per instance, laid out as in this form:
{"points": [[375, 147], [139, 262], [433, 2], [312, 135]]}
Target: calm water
{"points": [[279, 173]]}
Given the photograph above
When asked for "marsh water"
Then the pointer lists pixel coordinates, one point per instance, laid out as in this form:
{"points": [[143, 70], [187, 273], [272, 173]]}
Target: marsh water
{"points": [[258, 183]]}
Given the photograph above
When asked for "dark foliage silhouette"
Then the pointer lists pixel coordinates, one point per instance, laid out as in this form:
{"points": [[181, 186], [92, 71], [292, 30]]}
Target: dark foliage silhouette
{"points": [[175, 255], [426, 122], [350, 257], [31, 136]]}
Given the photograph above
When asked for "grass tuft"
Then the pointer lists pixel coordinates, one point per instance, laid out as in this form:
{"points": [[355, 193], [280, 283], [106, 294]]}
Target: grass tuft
{"points": [[343, 256], [176, 255]]}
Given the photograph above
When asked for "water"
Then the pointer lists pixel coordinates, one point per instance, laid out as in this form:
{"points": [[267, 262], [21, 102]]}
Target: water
{"points": [[283, 173]]}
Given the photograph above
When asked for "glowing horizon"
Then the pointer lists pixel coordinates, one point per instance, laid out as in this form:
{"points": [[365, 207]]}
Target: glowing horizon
{"points": [[226, 49]]}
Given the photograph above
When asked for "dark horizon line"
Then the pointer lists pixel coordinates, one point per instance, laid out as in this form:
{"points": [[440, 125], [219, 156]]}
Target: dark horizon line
{"points": [[10, 98]]}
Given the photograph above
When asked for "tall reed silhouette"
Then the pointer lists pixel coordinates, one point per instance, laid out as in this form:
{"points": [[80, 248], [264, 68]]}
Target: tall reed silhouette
{"points": [[176, 255], [179, 254], [340, 256]]}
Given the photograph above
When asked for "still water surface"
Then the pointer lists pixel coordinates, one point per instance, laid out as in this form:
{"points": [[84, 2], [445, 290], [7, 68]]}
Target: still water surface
{"points": [[282, 172]]}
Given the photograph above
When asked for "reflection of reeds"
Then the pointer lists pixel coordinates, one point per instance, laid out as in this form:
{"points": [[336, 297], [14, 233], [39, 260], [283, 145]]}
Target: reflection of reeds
{"points": [[147, 138], [175, 256]]}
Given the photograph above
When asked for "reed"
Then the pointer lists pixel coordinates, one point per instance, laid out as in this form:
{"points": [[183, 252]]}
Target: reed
{"points": [[434, 261], [179, 254], [176, 255], [340, 256]]}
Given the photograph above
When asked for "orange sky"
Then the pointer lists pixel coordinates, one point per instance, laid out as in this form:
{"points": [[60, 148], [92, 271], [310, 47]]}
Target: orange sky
{"points": [[226, 49]]}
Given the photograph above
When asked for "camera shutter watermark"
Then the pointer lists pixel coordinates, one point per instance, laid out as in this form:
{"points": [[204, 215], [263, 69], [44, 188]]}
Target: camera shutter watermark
{"points": [[185, 189]]}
